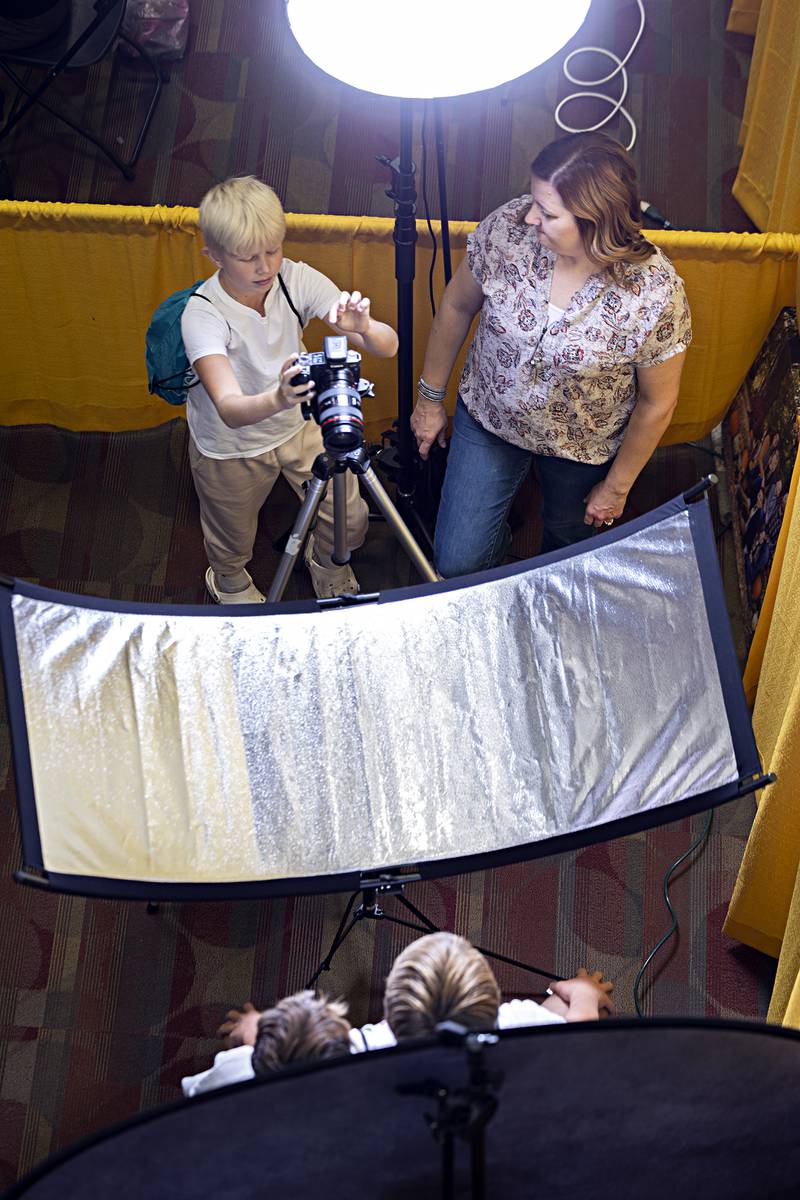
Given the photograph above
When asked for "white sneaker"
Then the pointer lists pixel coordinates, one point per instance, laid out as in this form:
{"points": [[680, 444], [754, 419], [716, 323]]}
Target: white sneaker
{"points": [[249, 595], [329, 582]]}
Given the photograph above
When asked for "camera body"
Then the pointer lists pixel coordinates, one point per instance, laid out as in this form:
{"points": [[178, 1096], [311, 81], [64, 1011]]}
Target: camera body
{"points": [[336, 404]]}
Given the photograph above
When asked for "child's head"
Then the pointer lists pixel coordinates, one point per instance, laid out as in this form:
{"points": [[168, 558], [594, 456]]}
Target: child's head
{"points": [[440, 977], [303, 1026], [241, 216]]}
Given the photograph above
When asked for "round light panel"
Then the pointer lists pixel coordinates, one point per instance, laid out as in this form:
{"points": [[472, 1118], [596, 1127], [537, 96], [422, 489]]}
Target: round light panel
{"points": [[426, 48]]}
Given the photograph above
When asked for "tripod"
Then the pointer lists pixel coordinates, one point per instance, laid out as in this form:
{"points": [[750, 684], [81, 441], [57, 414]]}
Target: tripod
{"points": [[329, 464], [373, 886]]}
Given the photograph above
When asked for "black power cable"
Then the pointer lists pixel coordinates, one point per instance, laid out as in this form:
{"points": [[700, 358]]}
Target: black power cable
{"points": [[674, 926], [424, 136]]}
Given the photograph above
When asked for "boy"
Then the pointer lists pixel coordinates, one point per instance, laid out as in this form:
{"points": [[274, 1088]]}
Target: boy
{"points": [[242, 338], [298, 1028]]}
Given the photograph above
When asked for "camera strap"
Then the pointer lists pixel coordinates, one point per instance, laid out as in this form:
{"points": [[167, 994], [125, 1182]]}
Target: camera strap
{"points": [[289, 300]]}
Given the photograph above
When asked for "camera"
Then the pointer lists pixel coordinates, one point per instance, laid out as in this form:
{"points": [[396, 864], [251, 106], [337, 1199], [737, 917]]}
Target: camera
{"points": [[336, 404]]}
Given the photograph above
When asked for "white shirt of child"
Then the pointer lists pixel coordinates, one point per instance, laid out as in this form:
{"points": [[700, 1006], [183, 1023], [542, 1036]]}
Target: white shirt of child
{"points": [[236, 1065], [256, 346]]}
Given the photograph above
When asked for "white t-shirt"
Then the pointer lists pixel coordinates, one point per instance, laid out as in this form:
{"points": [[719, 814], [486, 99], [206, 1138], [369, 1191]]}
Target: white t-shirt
{"points": [[236, 1065], [257, 346]]}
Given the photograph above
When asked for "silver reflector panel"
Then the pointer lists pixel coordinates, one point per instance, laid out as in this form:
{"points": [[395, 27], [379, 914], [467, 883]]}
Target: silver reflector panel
{"points": [[210, 749]]}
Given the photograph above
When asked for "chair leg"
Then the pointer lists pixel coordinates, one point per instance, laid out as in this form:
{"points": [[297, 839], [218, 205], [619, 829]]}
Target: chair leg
{"points": [[158, 81], [123, 165]]}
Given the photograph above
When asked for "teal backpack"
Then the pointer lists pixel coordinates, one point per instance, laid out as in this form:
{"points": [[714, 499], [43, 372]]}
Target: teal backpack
{"points": [[169, 373]]}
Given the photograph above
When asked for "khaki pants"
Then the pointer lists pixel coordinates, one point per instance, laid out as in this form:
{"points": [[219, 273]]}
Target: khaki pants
{"points": [[232, 491]]}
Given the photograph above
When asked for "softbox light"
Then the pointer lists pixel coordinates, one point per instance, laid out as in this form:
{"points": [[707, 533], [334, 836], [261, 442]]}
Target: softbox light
{"points": [[194, 752]]}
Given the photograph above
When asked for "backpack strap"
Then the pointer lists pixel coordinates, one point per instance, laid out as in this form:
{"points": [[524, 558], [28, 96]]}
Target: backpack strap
{"points": [[289, 300]]}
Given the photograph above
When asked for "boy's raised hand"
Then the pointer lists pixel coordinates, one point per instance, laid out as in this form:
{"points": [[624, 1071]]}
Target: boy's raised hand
{"points": [[350, 313]]}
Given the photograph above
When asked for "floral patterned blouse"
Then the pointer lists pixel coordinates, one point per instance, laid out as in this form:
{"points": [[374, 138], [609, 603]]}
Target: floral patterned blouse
{"points": [[566, 386]]}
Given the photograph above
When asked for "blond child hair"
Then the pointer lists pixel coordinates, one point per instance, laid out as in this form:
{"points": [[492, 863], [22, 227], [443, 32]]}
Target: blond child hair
{"points": [[440, 977], [242, 215]]}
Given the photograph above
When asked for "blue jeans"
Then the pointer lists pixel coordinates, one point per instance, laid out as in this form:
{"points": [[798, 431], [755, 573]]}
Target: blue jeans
{"points": [[484, 473]]}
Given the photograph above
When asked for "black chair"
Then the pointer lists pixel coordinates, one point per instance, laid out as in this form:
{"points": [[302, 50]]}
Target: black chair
{"points": [[91, 32]]}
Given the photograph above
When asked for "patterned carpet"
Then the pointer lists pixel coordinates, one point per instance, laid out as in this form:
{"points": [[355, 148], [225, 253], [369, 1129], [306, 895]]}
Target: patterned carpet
{"points": [[103, 1006]]}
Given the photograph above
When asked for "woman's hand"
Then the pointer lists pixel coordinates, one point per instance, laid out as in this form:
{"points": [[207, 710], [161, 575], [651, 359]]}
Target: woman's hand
{"points": [[604, 504], [350, 313], [429, 425], [288, 395]]}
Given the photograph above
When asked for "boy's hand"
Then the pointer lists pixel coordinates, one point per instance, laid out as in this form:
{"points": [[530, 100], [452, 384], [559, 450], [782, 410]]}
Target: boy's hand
{"points": [[587, 996], [351, 313], [240, 1027], [288, 395]]}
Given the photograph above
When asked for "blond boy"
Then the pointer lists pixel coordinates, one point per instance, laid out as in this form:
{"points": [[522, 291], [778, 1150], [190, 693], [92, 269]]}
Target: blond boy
{"points": [[242, 338]]}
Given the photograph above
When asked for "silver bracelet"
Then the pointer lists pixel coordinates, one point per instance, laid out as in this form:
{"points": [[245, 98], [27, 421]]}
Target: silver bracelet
{"points": [[437, 395]]}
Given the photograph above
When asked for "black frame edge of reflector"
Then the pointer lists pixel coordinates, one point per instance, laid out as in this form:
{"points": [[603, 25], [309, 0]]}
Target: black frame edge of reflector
{"points": [[748, 761], [20, 747], [352, 881]]}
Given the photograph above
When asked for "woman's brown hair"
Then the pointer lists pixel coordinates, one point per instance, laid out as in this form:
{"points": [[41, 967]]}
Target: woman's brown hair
{"points": [[595, 177]]}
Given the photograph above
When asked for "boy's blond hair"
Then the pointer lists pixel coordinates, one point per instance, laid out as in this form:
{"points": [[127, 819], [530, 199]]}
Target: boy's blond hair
{"points": [[303, 1026], [440, 977], [242, 216]]}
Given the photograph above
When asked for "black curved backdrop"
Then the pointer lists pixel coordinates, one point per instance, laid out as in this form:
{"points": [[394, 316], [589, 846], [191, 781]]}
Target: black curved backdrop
{"points": [[636, 1109]]}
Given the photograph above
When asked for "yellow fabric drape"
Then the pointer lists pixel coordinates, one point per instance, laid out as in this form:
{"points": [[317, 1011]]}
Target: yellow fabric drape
{"points": [[743, 17], [765, 908], [767, 184], [80, 283]]}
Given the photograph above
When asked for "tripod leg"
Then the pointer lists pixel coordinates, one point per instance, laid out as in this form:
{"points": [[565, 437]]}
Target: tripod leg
{"points": [[514, 962], [398, 526], [338, 938], [341, 554], [429, 925], [315, 491]]}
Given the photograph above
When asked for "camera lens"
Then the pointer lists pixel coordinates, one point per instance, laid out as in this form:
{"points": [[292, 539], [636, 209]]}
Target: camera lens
{"points": [[340, 418]]}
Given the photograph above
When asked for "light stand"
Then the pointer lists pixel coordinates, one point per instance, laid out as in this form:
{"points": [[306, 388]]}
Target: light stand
{"points": [[462, 1112], [399, 459], [417, 490]]}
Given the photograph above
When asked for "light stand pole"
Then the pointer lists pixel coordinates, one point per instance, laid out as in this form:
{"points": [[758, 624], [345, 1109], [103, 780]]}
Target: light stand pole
{"points": [[416, 482], [399, 459]]}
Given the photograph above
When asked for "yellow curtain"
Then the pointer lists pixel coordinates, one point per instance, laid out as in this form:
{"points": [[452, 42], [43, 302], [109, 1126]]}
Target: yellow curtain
{"points": [[80, 283], [767, 184], [765, 908]]}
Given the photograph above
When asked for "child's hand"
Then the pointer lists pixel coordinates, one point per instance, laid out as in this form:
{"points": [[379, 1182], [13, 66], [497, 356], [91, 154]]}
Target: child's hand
{"points": [[240, 1027], [290, 395], [587, 996], [350, 313]]}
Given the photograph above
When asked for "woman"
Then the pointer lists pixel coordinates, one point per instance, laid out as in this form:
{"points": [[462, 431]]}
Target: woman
{"points": [[575, 365]]}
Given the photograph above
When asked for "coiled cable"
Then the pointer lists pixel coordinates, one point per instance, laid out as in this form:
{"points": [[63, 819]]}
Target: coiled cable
{"points": [[619, 69]]}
